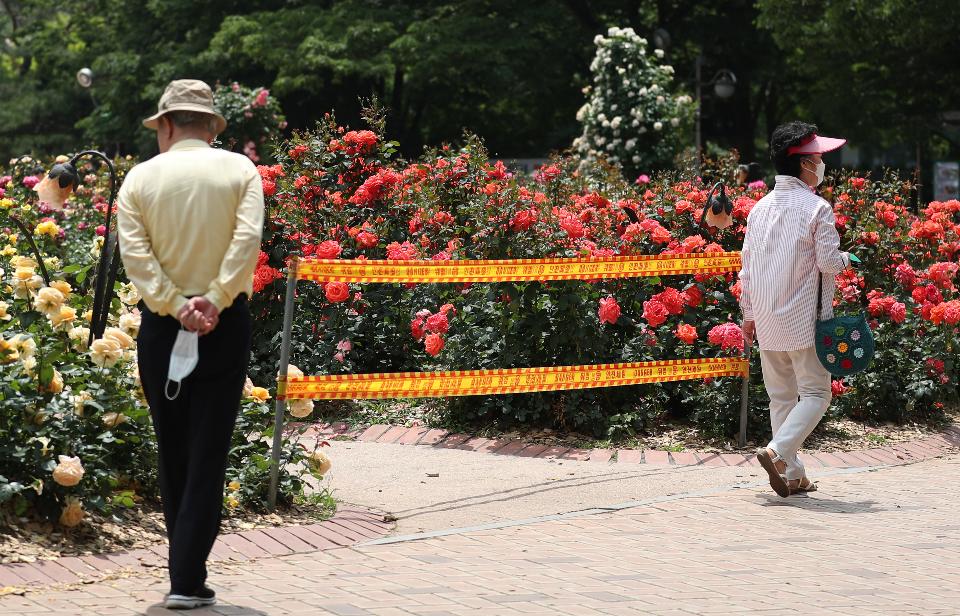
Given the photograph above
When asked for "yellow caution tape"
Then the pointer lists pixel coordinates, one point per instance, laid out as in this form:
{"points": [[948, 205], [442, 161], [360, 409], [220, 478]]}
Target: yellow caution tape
{"points": [[513, 270], [507, 381]]}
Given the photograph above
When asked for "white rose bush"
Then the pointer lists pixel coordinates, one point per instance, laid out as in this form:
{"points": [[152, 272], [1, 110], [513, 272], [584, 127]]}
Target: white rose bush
{"points": [[633, 116]]}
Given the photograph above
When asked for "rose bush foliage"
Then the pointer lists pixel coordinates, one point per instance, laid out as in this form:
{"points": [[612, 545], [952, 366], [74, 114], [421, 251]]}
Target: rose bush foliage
{"points": [[62, 400], [338, 193]]}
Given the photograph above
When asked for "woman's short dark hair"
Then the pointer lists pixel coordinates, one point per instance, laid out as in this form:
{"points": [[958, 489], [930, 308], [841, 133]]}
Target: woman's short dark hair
{"points": [[784, 137]]}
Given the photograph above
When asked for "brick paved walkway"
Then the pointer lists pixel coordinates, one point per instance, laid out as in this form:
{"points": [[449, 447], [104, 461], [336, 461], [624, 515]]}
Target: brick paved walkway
{"points": [[913, 451], [879, 542]]}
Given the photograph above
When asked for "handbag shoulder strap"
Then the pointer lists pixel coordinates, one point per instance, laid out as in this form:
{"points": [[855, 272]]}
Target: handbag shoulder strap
{"points": [[819, 296]]}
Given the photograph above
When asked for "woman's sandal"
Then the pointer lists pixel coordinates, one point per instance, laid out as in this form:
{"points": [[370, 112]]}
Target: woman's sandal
{"points": [[769, 463], [804, 486]]}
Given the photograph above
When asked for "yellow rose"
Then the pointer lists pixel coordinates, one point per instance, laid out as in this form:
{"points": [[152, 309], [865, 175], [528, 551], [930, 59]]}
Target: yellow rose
{"points": [[80, 336], [234, 485], [8, 351], [97, 246], [232, 502], [300, 408], [260, 393], [112, 420], [4, 306], [63, 286], [8, 250], [119, 336], [130, 323], [294, 371], [87, 316], [29, 364], [247, 387], [319, 462], [6, 203], [79, 402], [48, 228], [63, 318], [25, 344], [129, 294], [105, 353], [72, 513], [68, 472], [22, 261], [48, 300], [25, 281], [56, 383]]}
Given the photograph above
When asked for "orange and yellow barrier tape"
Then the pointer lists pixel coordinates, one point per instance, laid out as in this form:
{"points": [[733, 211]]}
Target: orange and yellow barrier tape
{"points": [[514, 270], [506, 381]]}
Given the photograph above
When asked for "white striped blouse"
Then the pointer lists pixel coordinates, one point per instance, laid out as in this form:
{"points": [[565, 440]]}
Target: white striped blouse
{"points": [[791, 237]]}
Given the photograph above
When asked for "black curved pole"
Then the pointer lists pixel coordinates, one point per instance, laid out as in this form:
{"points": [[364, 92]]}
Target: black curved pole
{"points": [[33, 246], [109, 255]]}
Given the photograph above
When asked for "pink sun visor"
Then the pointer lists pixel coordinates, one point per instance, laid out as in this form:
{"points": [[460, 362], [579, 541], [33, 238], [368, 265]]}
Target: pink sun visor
{"points": [[815, 144]]}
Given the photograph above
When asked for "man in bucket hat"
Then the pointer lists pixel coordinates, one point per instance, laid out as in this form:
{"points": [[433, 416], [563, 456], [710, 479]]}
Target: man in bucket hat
{"points": [[791, 238], [190, 223]]}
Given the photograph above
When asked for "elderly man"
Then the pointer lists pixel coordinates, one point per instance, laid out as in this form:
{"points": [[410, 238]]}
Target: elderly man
{"points": [[791, 238], [190, 223]]}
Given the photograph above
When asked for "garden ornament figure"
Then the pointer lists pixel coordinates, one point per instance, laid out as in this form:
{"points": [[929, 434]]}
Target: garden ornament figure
{"points": [[717, 211], [57, 185]]}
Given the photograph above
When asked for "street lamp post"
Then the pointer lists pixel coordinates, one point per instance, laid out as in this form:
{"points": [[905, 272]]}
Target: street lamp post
{"points": [[724, 84]]}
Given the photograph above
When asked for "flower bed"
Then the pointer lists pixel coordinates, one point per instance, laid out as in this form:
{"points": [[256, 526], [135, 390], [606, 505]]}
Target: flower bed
{"points": [[75, 431], [343, 194]]}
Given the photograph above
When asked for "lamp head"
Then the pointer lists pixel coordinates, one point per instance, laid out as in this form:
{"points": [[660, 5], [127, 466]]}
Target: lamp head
{"points": [[725, 84], [58, 184], [85, 77]]}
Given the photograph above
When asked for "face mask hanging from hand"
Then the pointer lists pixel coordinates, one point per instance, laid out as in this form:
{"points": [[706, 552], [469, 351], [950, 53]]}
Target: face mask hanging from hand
{"points": [[183, 360]]}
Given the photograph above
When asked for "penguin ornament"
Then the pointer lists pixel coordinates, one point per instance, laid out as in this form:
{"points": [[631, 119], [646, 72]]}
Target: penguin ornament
{"points": [[717, 211]]}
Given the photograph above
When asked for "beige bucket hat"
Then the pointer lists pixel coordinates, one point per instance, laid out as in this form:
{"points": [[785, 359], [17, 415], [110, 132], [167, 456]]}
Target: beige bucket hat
{"points": [[186, 95]]}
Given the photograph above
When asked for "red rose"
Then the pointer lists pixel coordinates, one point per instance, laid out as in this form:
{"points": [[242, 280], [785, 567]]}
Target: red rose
{"points": [[337, 292], [263, 276], [401, 252], [858, 183], [365, 239], [523, 220], [727, 336], [329, 249], [609, 310], [671, 299], [448, 308], [693, 296], [433, 344], [269, 188], [898, 312], [416, 328], [686, 333], [654, 312], [438, 323], [838, 388]]}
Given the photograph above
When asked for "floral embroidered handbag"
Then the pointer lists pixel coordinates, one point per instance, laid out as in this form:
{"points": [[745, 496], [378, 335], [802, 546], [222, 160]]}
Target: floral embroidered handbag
{"points": [[844, 344]]}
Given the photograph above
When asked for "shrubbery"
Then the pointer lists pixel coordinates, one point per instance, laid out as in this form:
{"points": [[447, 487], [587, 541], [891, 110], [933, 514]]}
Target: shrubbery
{"points": [[343, 194], [69, 411]]}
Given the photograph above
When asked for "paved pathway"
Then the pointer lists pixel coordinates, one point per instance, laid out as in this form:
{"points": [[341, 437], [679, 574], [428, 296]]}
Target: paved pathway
{"points": [[885, 541]]}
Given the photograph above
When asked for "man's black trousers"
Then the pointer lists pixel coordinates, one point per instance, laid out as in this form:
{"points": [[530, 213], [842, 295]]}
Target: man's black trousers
{"points": [[194, 432]]}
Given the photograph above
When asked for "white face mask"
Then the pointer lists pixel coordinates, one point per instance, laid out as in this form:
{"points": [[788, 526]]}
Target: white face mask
{"points": [[183, 359], [821, 169]]}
